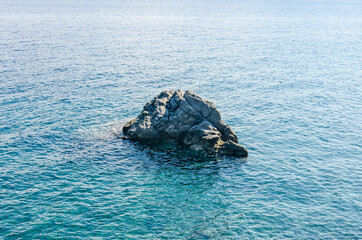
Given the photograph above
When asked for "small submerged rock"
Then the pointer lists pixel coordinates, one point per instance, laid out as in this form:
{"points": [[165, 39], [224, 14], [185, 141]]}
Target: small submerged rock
{"points": [[185, 118]]}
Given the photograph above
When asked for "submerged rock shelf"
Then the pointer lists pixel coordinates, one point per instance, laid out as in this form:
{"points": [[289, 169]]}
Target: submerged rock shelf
{"points": [[186, 118]]}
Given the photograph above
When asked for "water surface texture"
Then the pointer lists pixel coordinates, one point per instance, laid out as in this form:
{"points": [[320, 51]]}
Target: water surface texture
{"points": [[285, 75]]}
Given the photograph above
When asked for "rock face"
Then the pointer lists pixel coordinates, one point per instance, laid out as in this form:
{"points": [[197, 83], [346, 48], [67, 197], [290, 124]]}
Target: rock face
{"points": [[185, 118]]}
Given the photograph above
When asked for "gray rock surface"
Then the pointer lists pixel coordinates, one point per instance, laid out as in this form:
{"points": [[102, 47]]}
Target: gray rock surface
{"points": [[186, 118]]}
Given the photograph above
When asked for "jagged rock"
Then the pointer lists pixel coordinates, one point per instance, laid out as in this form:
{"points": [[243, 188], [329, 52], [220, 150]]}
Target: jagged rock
{"points": [[186, 118]]}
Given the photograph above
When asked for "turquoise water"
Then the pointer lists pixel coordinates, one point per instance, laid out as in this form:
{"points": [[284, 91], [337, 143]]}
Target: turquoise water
{"points": [[285, 75]]}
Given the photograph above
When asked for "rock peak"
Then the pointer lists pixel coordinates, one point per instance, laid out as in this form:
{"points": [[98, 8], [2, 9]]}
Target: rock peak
{"points": [[186, 118]]}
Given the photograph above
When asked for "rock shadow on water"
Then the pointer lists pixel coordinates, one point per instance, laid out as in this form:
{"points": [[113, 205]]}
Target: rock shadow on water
{"points": [[172, 154]]}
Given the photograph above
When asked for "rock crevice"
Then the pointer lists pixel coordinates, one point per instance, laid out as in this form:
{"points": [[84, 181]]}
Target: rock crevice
{"points": [[186, 118]]}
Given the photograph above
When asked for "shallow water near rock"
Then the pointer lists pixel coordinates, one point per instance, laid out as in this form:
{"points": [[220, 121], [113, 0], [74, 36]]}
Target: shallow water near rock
{"points": [[286, 76]]}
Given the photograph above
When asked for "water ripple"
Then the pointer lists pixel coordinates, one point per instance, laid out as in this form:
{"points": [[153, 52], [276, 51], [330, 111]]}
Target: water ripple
{"points": [[285, 76]]}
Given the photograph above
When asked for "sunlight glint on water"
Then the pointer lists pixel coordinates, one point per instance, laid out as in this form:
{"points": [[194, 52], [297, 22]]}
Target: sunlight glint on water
{"points": [[286, 76]]}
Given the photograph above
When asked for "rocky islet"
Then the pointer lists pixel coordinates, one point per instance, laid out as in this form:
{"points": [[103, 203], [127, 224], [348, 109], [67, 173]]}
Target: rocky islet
{"points": [[186, 118]]}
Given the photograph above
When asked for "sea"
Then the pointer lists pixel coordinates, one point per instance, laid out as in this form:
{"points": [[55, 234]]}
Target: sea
{"points": [[286, 75]]}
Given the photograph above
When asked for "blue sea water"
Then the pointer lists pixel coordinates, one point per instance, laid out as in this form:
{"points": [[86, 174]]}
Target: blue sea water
{"points": [[285, 75]]}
